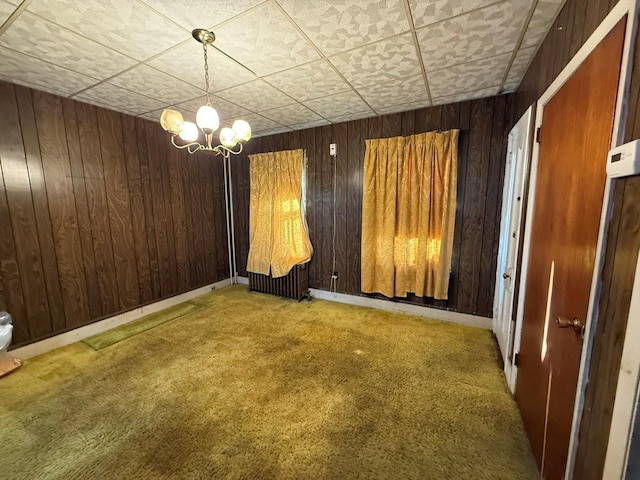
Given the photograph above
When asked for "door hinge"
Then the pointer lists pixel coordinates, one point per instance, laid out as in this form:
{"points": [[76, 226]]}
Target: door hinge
{"points": [[516, 359], [538, 130]]}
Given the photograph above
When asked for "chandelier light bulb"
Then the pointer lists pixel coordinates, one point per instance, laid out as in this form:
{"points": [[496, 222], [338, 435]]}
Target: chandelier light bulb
{"points": [[189, 132], [242, 130], [228, 137], [207, 119]]}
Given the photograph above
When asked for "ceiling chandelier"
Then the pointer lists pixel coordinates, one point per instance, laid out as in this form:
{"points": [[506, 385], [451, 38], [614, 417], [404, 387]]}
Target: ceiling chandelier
{"points": [[198, 136]]}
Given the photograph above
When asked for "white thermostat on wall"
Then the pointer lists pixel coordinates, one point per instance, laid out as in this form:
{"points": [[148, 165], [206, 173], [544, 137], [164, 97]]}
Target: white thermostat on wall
{"points": [[624, 160]]}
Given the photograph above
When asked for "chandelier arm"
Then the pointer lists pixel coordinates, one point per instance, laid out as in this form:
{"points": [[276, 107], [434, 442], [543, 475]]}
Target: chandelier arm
{"points": [[187, 146], [228, 151]]}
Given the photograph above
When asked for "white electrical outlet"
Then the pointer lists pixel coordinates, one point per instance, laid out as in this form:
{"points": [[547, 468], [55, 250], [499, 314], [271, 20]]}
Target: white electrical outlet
{"points": [[333, 149]]}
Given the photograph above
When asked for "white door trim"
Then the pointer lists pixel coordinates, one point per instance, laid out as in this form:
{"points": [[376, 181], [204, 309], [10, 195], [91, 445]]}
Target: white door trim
{"points": [[514, 184], [624, 7], [627, 393]]}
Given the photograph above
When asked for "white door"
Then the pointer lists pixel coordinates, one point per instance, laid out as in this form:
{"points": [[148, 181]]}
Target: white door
{"points": [[515, 181]]}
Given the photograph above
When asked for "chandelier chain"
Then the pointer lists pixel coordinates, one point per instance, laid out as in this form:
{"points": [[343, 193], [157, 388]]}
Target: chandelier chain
{"points": [[206, 74]]}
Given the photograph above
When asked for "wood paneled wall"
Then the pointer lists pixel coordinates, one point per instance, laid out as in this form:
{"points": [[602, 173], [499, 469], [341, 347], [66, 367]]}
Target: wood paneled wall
{"points": [[482, 150], [98, 214], [576, 22]]}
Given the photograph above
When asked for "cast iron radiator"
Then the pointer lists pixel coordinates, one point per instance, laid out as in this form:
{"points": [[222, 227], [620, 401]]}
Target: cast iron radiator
{"points": [[293, 285]]}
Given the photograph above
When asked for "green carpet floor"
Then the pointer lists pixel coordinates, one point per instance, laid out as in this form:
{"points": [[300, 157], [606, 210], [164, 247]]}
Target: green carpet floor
{"points": [[257, 387]]}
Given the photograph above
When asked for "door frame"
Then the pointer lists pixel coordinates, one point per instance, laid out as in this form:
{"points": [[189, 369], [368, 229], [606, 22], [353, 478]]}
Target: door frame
{"points": [[624, 7], [625, 407], [526, 123]]}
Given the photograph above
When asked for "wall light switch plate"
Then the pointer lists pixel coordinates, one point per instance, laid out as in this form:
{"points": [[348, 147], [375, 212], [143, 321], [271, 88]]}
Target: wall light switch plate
{"points": [[333, 149]]}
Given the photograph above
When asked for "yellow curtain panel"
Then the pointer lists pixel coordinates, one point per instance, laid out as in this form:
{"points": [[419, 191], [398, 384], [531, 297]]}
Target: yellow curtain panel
{"points": [[278, 235], [408, 214]]}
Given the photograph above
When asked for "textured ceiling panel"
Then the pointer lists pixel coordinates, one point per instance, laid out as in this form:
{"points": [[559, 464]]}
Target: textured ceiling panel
{"points": [[256, 96], [379, 62], [403, 107], [543, 17], [291, 114], [33, 72], [461, 97], [469, 76], [337, 105], [473, 36], [395, 92], [520, 64], [257, 122], [192, 14], [186, 62], [280, 63], [128, 26], [336, 26], [426, 12], [352, 116], [6, 9], [313, 80], [153, 83], [116, 97], [316, 123], [264, 41], [61, 47]]}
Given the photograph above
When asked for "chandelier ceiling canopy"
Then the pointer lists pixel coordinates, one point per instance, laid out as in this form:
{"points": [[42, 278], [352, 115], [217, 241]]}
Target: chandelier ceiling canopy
{"points": [[198, 136]]}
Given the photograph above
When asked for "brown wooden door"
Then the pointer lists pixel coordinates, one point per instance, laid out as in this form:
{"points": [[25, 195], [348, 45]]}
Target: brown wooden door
{"points": [[574, 141]]}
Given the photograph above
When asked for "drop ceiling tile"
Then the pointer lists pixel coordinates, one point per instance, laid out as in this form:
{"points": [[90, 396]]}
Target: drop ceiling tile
{"points": [[313, 80], [155, 84], [462, 97], [379, 62], [6, 9], [187, 63], [405, 107], [485, 73], [313, 124], [272, 131], [509, 88], [256, 96], [61, 47], [338, 105], [192, 14], [395, 92], [225, 109], [153, 116], [482, 33], [291, 114], [426, 12], [520, 64], [352, 116], [338, 26], [119, 98], [543, 17], [19, 68], [257, 122], [264, 40], [130, 27]]}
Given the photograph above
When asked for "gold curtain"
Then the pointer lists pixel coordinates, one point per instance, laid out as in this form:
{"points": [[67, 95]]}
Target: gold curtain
{"points": [[408, 214], [278, 236]]}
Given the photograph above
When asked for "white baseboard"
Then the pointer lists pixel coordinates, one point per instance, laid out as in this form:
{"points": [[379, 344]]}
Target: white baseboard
{"points": [[81, 333], [399, 307]]}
